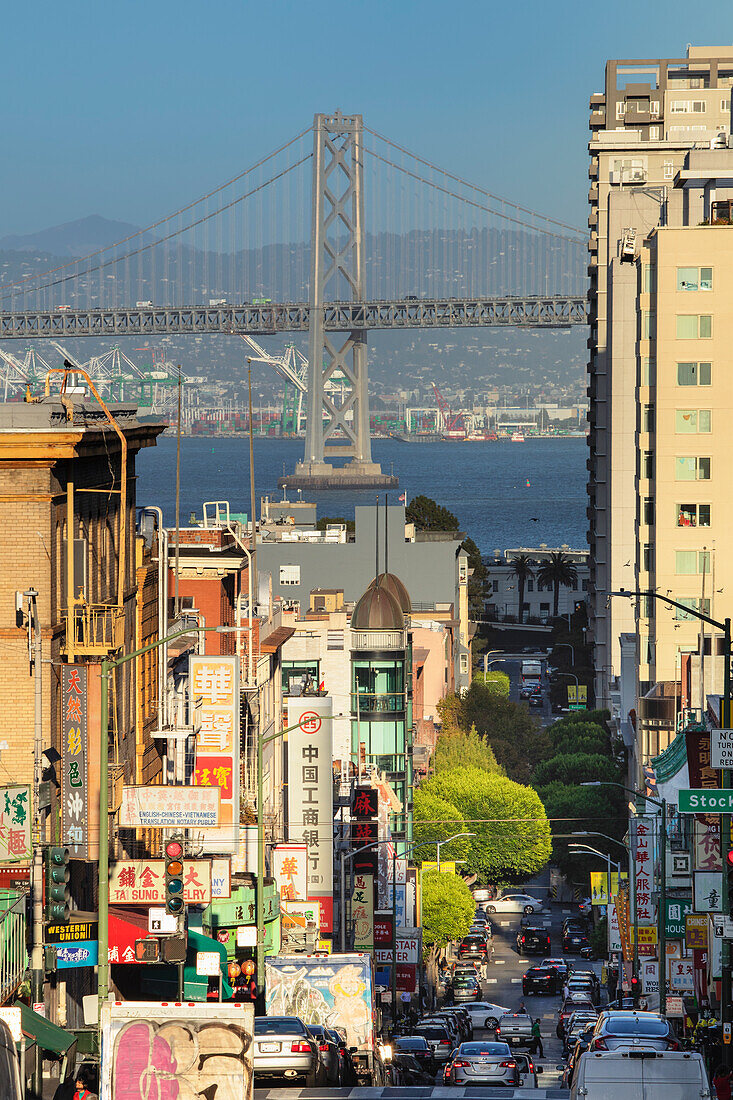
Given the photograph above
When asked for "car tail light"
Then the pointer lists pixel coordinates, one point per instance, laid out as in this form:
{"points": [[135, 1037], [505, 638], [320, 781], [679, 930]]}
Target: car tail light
{"points": [[600, 1044], [445, 1042], [498, 1030], [523, 939], [323, 1046], [508, 1065], [672, 1044], [300, 1048], [460, 1064]]}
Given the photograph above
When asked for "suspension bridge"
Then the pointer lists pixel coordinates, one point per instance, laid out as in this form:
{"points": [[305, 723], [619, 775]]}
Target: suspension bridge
{"points": [[336, 233]]}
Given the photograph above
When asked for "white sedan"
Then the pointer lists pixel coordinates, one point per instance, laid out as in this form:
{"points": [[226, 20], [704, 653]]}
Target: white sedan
{"points": [[485, 1014], [515, 903]]}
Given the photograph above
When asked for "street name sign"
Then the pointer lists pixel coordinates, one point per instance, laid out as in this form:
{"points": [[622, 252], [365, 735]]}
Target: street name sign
{"points": [[721, 748], [712, 801]]}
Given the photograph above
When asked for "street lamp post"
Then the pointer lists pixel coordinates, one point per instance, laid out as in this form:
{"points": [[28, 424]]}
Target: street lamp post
{"points": [[662, 907], [439, 844], [567, 645]]}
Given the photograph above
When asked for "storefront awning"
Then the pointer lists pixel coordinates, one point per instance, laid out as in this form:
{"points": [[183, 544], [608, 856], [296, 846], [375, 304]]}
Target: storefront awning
{"points": [[41, 1031], [195, 986]]}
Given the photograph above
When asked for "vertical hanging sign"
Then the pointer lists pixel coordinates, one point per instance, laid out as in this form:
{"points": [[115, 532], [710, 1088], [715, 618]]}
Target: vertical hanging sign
{"points": [[75, 780], [310, 794], [214, 690]]}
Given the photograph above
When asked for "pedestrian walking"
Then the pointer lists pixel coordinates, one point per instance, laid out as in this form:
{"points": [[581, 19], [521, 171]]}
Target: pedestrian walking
{"points": [[565, 991], [537, 1039]]}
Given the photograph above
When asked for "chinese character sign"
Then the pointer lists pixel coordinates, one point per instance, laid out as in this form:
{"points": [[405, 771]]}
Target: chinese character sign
{"points": [[310, 795], [291, 871], [643, 856], [677, 910], [142, 882], [362, 912], [74, 782], [214, 689], [708, 894], [15, 824]]}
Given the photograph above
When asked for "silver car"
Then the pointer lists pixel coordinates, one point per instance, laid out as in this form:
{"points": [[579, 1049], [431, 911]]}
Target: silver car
{"points": [[650, 1030], [284, 1047], [484, 1064]]}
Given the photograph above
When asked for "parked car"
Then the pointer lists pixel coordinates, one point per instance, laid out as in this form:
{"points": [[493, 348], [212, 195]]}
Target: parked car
{"points": [[284, 1047], [516, 1029], [533, 940], [406, 1070], [464, 1027], [539, 979], [439, 1038], [515, 903], [573, 1057], [329, 1051], [485, 1014], [527, 1070], [448, 1023], [578, 1028], [484, 1064], [348, 1069], [637, 1075], [419, 1048], [650, 1030]]}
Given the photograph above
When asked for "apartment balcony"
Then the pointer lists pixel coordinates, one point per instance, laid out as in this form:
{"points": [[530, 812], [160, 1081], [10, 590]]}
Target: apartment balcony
{"points": [[593, 218], [597, 119], [593, 242], [593, 193], [96, 630], [368, 703], [593, 169], [592, 268]]}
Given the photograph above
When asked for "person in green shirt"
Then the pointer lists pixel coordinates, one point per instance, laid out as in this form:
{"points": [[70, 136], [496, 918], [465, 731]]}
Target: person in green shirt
{"points": [[537, 1039]]}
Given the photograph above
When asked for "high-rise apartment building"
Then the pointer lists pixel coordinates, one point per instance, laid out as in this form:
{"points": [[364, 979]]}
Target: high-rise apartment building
{"points": [[659, 160]]}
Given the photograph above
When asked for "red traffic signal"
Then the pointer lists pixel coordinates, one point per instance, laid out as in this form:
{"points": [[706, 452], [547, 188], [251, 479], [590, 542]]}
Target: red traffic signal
{"points": [[729, 859]]}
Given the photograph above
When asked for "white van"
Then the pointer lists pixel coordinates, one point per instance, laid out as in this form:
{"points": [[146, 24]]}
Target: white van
{"points": [[9, 1067], [636, 1074]]}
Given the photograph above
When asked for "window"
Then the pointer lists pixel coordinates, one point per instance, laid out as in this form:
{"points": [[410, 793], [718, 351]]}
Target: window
{"points": [[654, 106], [647, 464], [646, 557], [544, 609], [693, 326], [647, 607], [584, 586], [620, 109], [668, 170], [654, 133], [464, 664], [335, 639], [694, 278], [689, 468], [695, 604], [692, 421], [692, 562], [725, 104], [495, 586], [647, 418], [648, 510], [648, 371], [289, 574], [648, 324], [530, 585], [693, 515], [694, 374], [463, 572]]}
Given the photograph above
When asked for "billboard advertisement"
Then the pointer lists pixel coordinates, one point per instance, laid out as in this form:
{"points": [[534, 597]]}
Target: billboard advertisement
{"points": [[214, 690]]}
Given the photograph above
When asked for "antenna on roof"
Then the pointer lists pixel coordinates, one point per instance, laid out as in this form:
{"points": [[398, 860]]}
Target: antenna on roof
{"points": [[386, 545], [376, 544]]}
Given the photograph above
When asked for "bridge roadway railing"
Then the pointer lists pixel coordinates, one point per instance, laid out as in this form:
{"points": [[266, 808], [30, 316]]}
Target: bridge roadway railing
{"points": [[526, 311]]}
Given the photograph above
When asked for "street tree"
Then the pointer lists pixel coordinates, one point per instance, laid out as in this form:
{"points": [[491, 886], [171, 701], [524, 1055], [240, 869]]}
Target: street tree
{"points": [[558, 570], [436, 819], [457, 749], [447, 909], [512, 840], [427, 515], [576, 767]]}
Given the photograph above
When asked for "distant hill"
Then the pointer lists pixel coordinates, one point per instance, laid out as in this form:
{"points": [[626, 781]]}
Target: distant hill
{"points": [[77, 238]]}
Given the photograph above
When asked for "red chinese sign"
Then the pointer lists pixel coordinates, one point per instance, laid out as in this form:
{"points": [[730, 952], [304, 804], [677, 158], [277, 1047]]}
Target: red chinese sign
{"points": [[74, 778]]}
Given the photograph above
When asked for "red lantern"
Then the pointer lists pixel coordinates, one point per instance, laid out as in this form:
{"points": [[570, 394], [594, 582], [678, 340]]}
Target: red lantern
{"points": [[234, 970]]}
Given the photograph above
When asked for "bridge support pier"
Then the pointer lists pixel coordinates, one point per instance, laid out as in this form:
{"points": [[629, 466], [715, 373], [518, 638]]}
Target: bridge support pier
{"points": [[338, 420]]}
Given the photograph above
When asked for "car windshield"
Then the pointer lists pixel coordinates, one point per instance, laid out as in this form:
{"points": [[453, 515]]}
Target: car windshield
{"points": [[414, 1043], [539, 972], [316, 1029], [469, 941], [634, 1025], [515, 1018], [464, 980], [433, 1032], [278, 1025], [478, 1049]]}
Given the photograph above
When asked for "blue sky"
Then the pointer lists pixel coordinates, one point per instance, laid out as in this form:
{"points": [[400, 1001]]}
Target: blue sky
{"points": [[129, 110]]}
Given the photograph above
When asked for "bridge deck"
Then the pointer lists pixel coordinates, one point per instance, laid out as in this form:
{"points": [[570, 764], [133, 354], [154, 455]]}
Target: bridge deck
{"points": [[533, 311]]}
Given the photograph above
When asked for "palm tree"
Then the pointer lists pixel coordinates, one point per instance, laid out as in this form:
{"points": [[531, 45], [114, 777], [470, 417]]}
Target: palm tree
{"points": [[557, 570], [522, 570]]}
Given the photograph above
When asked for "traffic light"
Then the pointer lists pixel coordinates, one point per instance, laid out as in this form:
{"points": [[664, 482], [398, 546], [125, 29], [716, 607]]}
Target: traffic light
{"points": [[635, 989], [147, 950], [57, 893], [173, 875]]}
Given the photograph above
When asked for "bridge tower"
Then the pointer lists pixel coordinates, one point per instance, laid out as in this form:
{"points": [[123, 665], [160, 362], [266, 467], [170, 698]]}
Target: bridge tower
{"points": [[338, 273]]}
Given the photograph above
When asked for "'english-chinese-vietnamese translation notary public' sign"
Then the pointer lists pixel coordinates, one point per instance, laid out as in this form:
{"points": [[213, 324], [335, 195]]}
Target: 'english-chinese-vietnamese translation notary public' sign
{"points": [[156, 807]]}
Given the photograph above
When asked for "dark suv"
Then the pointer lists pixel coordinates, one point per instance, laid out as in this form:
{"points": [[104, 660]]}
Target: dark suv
{"points": [[473, 947], [574, 935], [540, 979], [532, 940]]}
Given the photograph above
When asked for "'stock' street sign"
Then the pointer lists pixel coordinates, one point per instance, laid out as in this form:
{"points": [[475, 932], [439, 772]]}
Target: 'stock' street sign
{"points": [[710, 801]]}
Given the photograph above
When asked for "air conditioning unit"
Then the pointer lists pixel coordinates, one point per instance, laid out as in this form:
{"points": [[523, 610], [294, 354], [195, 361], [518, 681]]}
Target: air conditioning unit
{"points": [[628, 246], [680, 867]]}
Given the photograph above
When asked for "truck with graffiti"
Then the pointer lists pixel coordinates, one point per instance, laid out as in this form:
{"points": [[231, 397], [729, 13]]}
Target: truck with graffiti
{"points": [[334, 990], [195, 1049]]}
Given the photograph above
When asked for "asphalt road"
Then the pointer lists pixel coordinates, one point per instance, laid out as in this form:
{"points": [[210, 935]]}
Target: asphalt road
{"points": [[512, 666]]}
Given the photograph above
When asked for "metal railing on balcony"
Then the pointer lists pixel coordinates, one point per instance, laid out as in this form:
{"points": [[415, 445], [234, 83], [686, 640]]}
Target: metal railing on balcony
{"points": [[371, 703], [95, 629], [13, 952]]}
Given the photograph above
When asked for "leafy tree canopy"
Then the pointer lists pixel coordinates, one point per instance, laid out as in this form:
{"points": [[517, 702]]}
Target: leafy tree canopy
{"points": [[576, 767], [577, 809], [429, 516], [324, 522], [497, 682], [512, 838], [456, 749], [447, 908], [434, 819]]}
